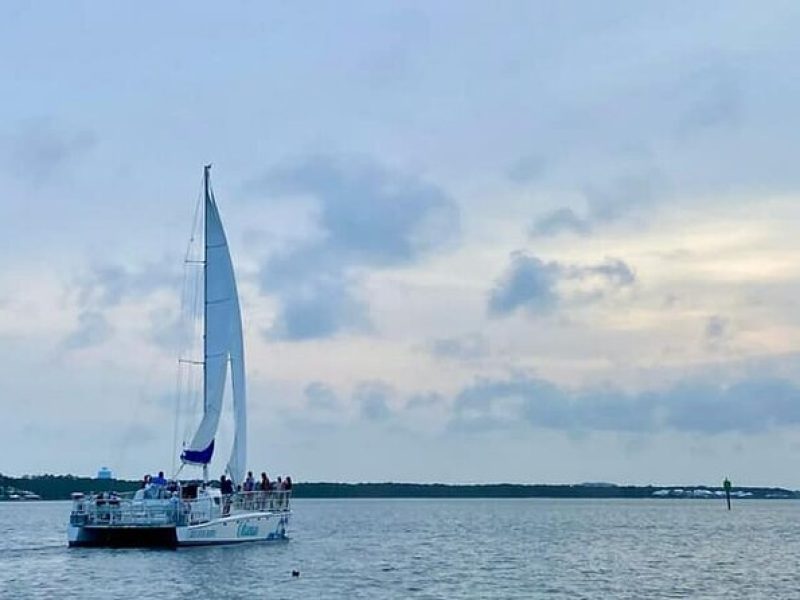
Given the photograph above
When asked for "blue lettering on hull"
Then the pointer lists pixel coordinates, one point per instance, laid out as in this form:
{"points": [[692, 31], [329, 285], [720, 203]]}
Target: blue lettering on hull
{"points": [[246, 530]]}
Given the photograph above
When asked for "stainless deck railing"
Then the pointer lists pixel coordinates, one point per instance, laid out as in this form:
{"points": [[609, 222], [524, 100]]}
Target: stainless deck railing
{"points": [[128, 512], [273, 501]]}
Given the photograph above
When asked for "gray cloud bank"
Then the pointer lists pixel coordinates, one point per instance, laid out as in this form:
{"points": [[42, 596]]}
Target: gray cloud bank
{"points": [[532, 284], [368, 217], [105, 287], [604, 204], [749, 406], [39, 150]]}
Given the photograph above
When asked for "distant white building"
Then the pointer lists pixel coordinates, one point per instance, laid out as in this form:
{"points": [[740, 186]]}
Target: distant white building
{"points": [[104, 473]]}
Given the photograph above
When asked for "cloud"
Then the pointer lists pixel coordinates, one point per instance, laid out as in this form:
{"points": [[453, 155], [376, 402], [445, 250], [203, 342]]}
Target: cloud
{"points": [[718, 332], [169, 330], [109, 285], [424, 401], [104, 287], [527, 169], [749, 406], [716, 327], [372, 397], [468, 347], [560, 220], [713, 96], [533, 284], [39, 150], [528, 282], [613, 270], [318, 309], [92, 329], [320, 396], [605, 203], [368, 217]]}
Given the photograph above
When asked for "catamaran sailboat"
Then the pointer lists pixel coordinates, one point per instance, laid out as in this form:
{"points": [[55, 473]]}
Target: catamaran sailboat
{"points": [[177, 514]]}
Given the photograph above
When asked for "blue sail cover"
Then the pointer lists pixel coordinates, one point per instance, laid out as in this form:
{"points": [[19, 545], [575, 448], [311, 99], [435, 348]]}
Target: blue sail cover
{"points": [[198, 457]]}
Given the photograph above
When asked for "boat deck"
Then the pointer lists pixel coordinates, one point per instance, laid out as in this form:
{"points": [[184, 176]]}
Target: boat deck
{"points": [[168, 513]]}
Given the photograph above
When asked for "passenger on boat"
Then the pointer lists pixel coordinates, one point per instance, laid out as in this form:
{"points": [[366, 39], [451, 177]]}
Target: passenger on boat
{"points": [[150, 491], [174, 504], [249, 482], [275, 498], [263, 491], [226, 489], [159, 479], [287, 483]]}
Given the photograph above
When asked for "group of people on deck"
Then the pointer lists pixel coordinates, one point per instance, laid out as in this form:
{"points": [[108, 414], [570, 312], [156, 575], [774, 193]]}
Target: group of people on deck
{"points": [[251, 485], [158, 487], [256, 495]]}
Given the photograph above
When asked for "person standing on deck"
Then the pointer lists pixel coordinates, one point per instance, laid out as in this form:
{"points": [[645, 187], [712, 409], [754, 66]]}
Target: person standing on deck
{"points": [[226, 488], [263, 489]]}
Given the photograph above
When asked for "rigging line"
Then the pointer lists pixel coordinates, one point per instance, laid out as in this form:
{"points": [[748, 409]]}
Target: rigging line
{"points": [[178, 472], [194, 223], [182, 341]]}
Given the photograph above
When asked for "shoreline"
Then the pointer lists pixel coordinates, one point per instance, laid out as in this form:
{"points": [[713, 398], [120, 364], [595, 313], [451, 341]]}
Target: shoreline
{"points": [[59, 487]]}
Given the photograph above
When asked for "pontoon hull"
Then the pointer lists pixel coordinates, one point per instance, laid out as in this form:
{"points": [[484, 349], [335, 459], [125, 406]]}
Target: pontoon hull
{"points": [[233, 529]]}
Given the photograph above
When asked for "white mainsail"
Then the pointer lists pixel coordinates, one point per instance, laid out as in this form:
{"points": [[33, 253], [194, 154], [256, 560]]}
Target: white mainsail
{"points": [[237, 463], [222, 342]]}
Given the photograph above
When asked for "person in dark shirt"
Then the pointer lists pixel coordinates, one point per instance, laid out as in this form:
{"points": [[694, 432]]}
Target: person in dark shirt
{"points": [[263, 487], [226, 488]]}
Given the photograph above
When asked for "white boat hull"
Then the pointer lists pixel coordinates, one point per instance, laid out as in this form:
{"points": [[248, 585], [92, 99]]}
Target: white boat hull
{"points": [[242, 527], [250, 527]]}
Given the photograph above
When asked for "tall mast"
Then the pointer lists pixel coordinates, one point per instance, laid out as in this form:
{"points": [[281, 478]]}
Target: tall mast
{"points": [[206, 200]]}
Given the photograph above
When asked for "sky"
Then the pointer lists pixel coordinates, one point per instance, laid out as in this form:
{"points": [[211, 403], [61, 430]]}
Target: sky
{"points": [[475, 242]]}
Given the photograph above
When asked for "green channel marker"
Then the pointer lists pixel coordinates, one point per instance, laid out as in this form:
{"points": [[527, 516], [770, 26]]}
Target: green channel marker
{"points": [[727, 485]]}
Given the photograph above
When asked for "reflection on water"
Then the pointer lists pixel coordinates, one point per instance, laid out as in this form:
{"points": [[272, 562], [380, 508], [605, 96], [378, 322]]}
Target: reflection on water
{"points": [[435, 549]]}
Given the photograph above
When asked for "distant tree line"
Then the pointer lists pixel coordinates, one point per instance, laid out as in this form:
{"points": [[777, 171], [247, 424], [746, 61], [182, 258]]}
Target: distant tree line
{"points": [[59, 487], [499, 490]]}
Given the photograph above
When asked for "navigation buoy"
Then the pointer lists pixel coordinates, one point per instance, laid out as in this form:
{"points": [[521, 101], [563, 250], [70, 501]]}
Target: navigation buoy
{"points": [[727, 486]]}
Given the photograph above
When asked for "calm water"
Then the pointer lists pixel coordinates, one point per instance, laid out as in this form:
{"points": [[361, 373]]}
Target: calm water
{"points": [[436, 549]]}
